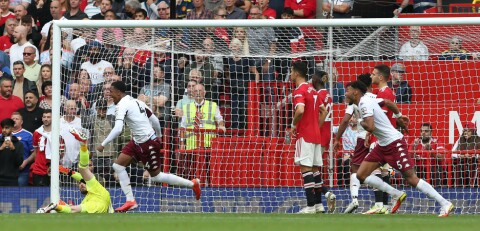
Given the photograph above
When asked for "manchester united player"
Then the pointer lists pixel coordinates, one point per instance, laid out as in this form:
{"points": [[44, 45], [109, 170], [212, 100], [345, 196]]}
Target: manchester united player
{"points": [[144, 146], [380, 76], [309, 115], [319, 79], [391, 149]]}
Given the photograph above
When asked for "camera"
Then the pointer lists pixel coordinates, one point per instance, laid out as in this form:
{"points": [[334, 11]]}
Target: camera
{"points": [[8, 138]]}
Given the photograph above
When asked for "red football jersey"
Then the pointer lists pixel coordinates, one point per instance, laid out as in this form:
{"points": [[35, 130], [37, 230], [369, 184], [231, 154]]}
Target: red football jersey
{"points": [[307, 127], [325, 131], [40, 166], [387, 93]]}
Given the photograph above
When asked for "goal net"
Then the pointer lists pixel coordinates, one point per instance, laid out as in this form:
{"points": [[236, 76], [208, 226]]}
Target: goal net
{"points": [[245, 69]]}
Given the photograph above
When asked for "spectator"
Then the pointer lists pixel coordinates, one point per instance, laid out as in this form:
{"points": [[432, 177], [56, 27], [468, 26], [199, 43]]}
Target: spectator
{"points": [[338, 88], [289, 40], [16, 50], [74, 13], [349, 141], [400, 87], [32, 68], [200, 114], [105, 6], [205, 68], [33, 36], [414, 49], [116, 34], [5, 39], [42, 151], [426, 142], [266, 10], [183, 7], [26, 138], [72, 145], [158, 94], [187, 98], [94, 8], [5, 13], [420, 6], [140, 14], [11, 154], [9, 102], [80, 100], [199, 11], [455, 51], [130, 7], [215, 59], [245, 5], [56, 12], [20, 11], [163, 11], [31, 113], [44, 75], [239, 68], [102, 125], [21, 84], [241, 34], [234, 12], [304, 8], [95, 66], [466, 165], [5, 66], [262, 42], [46, 99], [213, 4]]}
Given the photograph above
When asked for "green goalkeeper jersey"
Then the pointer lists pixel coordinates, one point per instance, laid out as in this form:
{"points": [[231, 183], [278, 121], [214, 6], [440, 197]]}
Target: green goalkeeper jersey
{"points": [[97, 199]]}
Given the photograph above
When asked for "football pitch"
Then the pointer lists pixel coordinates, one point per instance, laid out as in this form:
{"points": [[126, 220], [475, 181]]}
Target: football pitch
{"points": [[229, 222]]}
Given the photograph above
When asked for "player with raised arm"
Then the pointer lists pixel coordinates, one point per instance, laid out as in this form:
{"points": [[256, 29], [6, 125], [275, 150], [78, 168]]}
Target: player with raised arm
{"points": [[144, 146], [97, 198], [361, 150], [319, 78], [309, 115], [391, 149]]}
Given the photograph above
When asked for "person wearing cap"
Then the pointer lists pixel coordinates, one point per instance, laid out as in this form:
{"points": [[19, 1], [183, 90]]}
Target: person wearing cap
{"points": [[455, 50], [403, 91], [414, 49], [465, 166]]}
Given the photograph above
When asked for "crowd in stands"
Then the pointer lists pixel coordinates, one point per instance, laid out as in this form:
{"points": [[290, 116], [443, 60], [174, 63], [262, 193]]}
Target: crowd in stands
{"points": [[92, 61]]}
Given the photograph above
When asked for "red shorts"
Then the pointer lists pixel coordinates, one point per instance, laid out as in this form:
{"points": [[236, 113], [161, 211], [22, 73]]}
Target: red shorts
{"points": [[395, 154], [360, 152], [148, 153]]}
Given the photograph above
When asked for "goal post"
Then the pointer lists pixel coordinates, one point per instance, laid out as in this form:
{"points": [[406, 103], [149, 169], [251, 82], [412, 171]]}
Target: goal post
{"points": [[250, 168]]}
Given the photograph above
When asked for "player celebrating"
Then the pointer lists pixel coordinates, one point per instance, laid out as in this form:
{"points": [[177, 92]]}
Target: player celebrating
{"points": [[309, 116], [97, 198], [361, 150], [391, 149], [145, 145], [318, 81]]}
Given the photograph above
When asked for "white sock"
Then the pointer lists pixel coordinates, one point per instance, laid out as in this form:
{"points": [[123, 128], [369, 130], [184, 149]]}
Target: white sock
{"points": [[172, 180], [426, 188], [378, 183], [354, 186], [124, 180]]}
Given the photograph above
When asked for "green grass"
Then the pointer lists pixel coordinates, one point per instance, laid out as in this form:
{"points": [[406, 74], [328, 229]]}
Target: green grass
{"points": [[230, 222]]}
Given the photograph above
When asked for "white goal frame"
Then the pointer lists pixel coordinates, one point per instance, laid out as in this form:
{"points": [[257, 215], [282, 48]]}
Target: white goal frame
{"points": [[57, 43]]}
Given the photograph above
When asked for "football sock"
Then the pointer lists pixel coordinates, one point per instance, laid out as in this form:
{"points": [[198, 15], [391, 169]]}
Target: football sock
{"points": [[426, 188], [386, 179], [318, 187], [84, 157], [378, 193], [172, 180], [124, 180], [376, 182], [354, 186], [309, 186], [63, 209]]}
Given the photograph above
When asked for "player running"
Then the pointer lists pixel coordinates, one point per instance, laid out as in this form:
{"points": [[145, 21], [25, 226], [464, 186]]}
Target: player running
{"points": [[391, 149], [144, 146], [97, 198]]}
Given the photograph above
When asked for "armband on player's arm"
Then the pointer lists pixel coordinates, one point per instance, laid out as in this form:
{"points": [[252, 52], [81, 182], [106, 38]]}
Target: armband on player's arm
{"points": [[116, 131], [398, 115]]}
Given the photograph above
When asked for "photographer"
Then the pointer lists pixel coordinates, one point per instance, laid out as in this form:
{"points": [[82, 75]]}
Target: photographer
{"points": [[11, 154]]}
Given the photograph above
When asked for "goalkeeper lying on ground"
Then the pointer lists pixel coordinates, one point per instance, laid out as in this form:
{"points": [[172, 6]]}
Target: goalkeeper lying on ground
{"points": [[97, 198]]}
